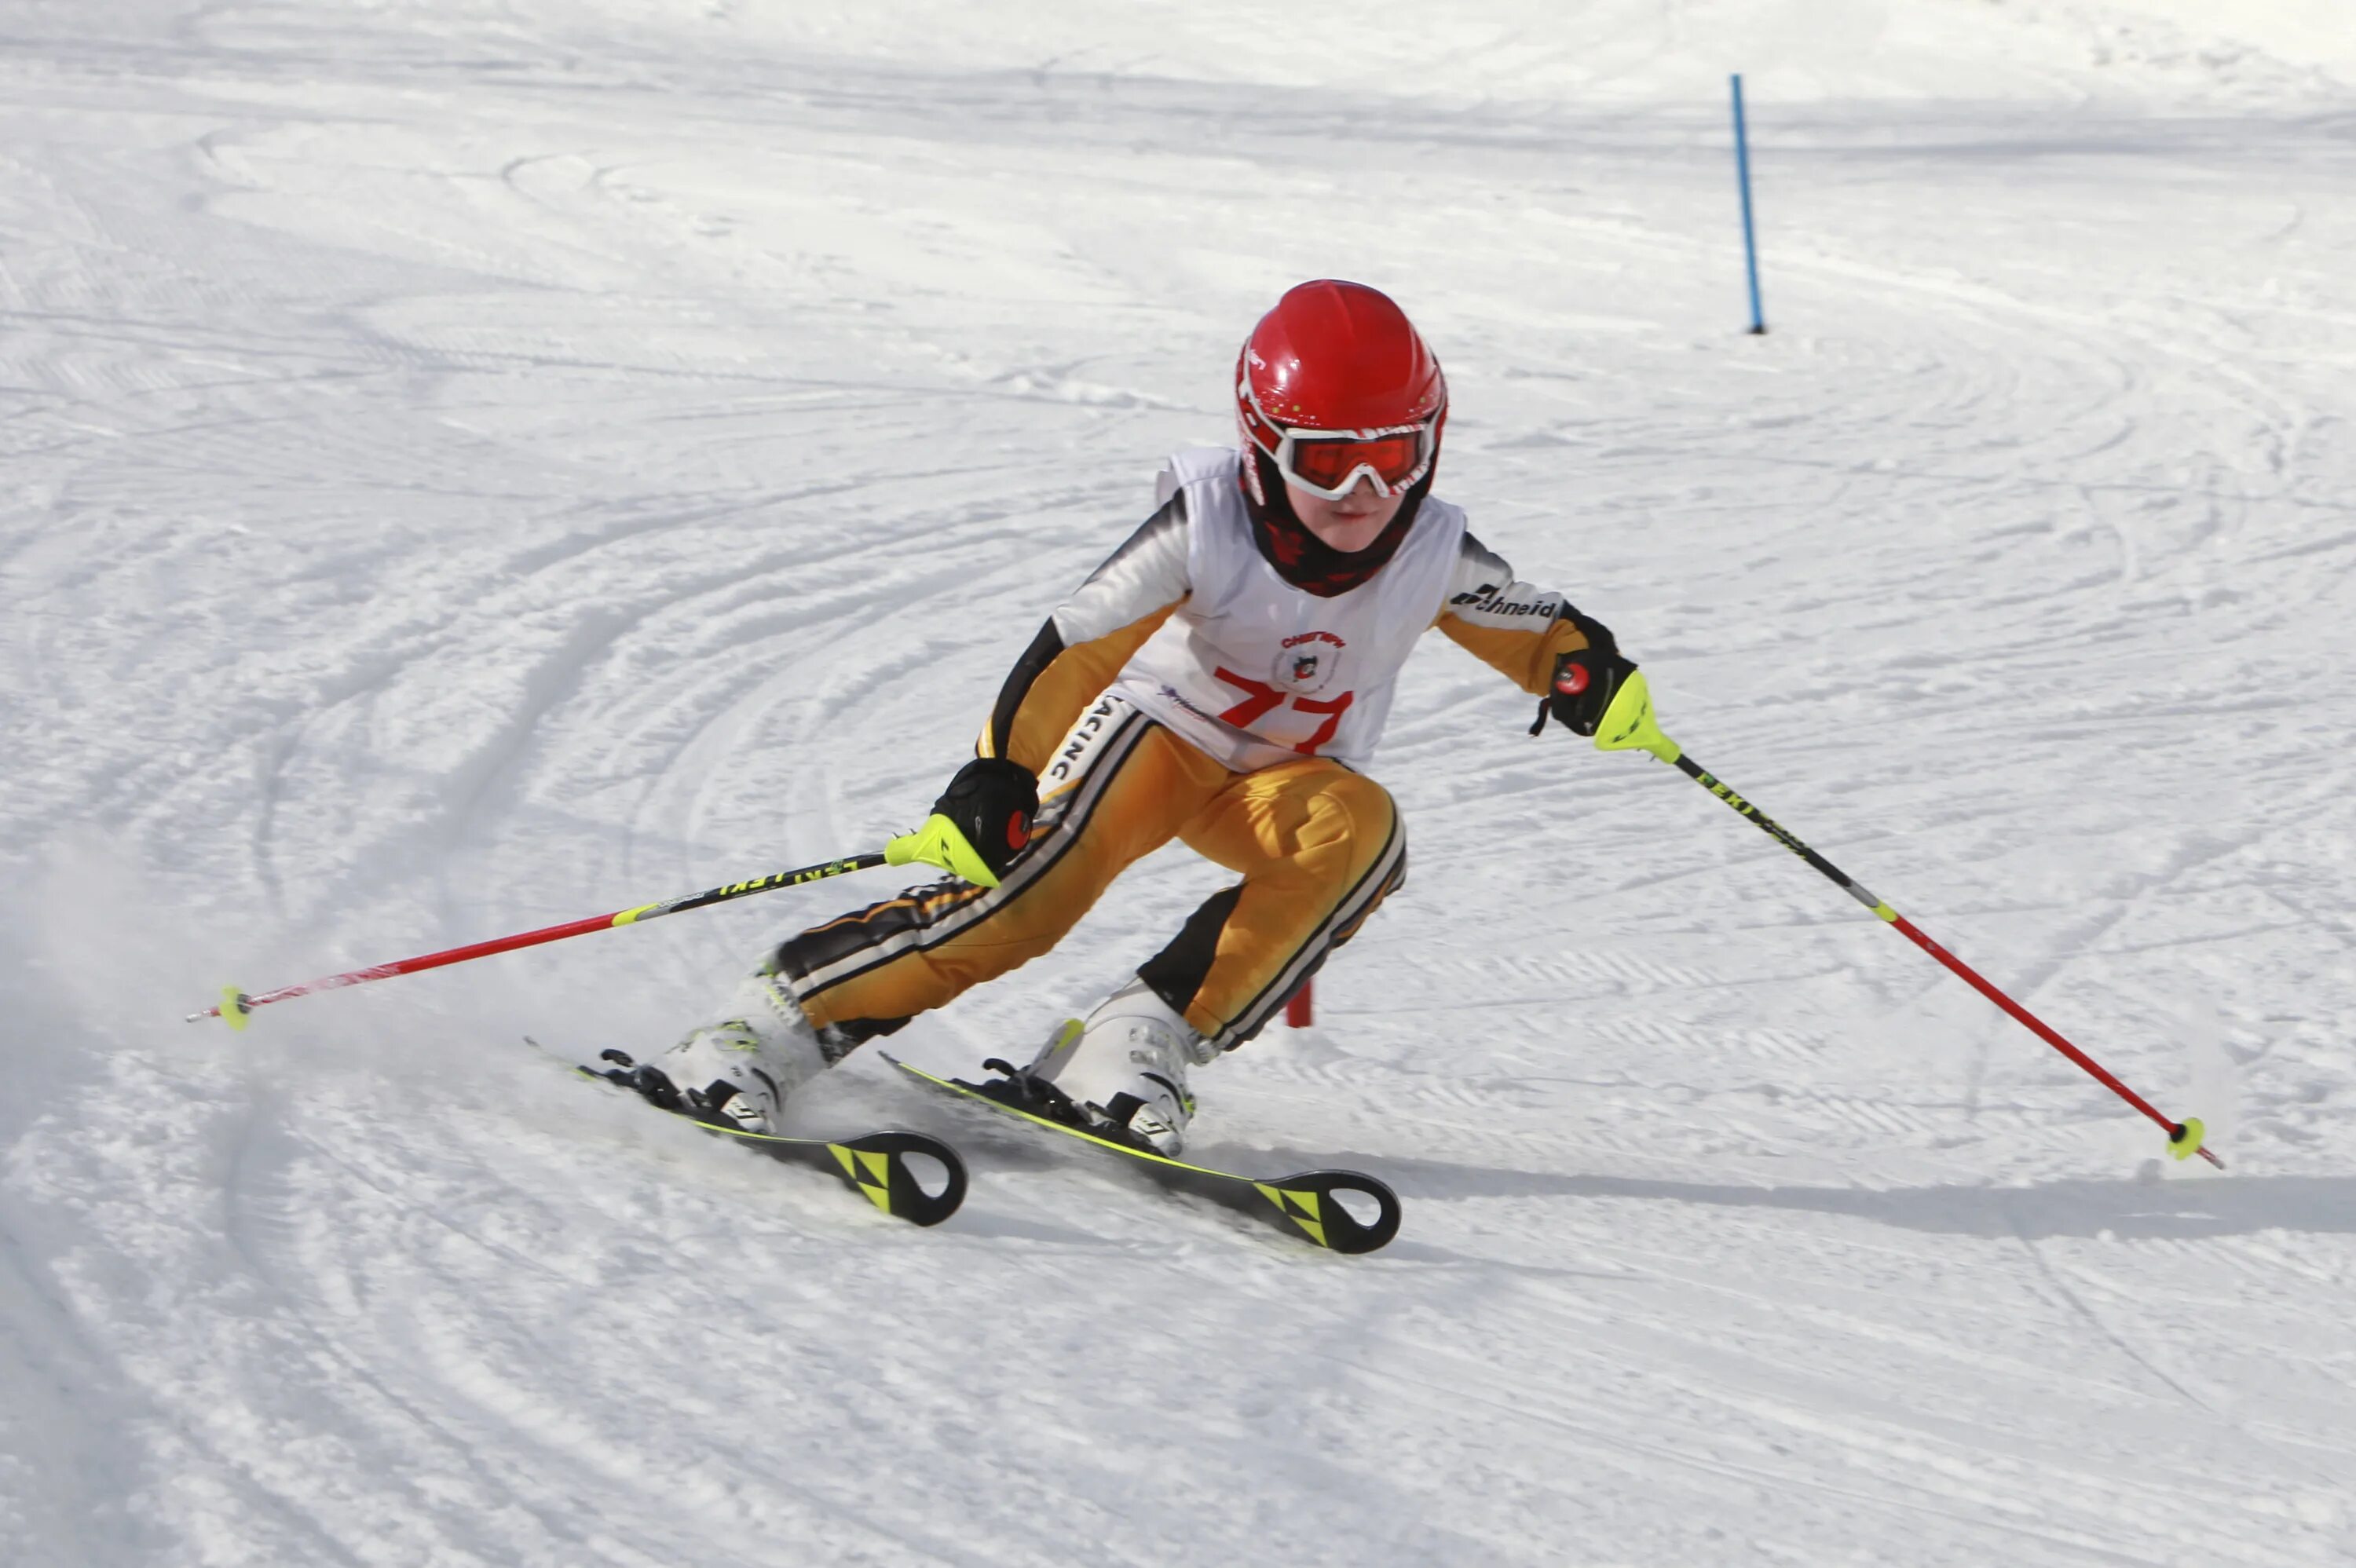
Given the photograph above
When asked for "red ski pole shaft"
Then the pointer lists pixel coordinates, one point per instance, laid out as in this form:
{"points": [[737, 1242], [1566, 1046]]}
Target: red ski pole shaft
{"points": [[235, 1004], [1978, 982], [1629, 725]]}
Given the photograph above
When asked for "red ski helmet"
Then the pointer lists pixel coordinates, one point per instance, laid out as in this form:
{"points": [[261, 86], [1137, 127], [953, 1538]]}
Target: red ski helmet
{"points": [[1336, 385]]}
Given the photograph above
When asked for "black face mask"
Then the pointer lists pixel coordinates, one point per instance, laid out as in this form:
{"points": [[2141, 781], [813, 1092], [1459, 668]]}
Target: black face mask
{"points": [[1308, 563]]}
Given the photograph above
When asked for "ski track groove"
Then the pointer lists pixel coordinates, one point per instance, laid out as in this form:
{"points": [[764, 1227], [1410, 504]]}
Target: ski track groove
{"points": [[315, 1268], [1918, 1454]]}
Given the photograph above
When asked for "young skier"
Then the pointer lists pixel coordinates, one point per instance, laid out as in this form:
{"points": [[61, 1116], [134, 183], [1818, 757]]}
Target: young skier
{"points": [[1222, 678]]}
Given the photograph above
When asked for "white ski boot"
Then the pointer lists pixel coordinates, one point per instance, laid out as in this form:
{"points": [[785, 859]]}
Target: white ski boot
{"points": [[1125, 1066], [742, 1069]]}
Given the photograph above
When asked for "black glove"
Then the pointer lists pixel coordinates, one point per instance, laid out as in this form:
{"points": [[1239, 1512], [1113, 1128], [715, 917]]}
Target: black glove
{"points": [[1584, 684], [991, 802]]}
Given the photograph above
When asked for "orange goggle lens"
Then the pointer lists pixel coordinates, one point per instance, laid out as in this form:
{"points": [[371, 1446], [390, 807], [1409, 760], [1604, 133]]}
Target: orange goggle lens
{"points": [[1326, 461]]}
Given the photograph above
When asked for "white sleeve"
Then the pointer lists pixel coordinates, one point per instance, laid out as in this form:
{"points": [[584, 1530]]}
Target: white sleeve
{"points": [[1484, 591], [1147, 573]]}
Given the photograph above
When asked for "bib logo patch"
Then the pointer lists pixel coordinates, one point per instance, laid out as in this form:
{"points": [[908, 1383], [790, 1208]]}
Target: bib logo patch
{"points": [[1306, 664]]}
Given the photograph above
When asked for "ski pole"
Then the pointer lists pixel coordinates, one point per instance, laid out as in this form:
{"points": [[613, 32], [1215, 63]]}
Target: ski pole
{"points": [[235, 1004], [1629, 725]]}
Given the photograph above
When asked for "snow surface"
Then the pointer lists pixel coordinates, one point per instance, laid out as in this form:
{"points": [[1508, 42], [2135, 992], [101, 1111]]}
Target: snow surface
{"points": [[471, 466]]}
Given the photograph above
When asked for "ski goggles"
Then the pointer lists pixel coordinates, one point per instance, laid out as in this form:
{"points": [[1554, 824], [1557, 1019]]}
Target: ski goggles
{"points": [[1330, 462]]}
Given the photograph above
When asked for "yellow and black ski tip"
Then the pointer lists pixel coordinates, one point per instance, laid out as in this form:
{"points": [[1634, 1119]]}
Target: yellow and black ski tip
{"points": [[1312, 1200], [1315, 1205], [875, 1164]]}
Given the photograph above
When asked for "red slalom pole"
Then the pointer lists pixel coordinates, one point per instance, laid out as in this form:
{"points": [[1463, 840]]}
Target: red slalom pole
{"points": [[1629, 725], [235, 1004]]}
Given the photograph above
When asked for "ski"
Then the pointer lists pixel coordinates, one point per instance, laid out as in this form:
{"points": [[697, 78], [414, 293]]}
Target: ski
{"points": [[871, 1164], [1302, 1205]]}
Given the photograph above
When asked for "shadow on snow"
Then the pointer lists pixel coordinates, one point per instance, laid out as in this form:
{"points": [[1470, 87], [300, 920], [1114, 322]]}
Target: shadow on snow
{"points": [[2175, 1211]]}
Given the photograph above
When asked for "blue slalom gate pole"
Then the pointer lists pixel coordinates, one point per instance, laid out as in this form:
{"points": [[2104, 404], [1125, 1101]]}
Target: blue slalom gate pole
{"points": [[1749, 239]]}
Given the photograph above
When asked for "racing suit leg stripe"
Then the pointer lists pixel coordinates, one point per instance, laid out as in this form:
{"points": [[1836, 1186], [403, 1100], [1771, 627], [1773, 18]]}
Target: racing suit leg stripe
{"points": [[1319, 846], [842, 949], [1137, 782], [1381, 879]]}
